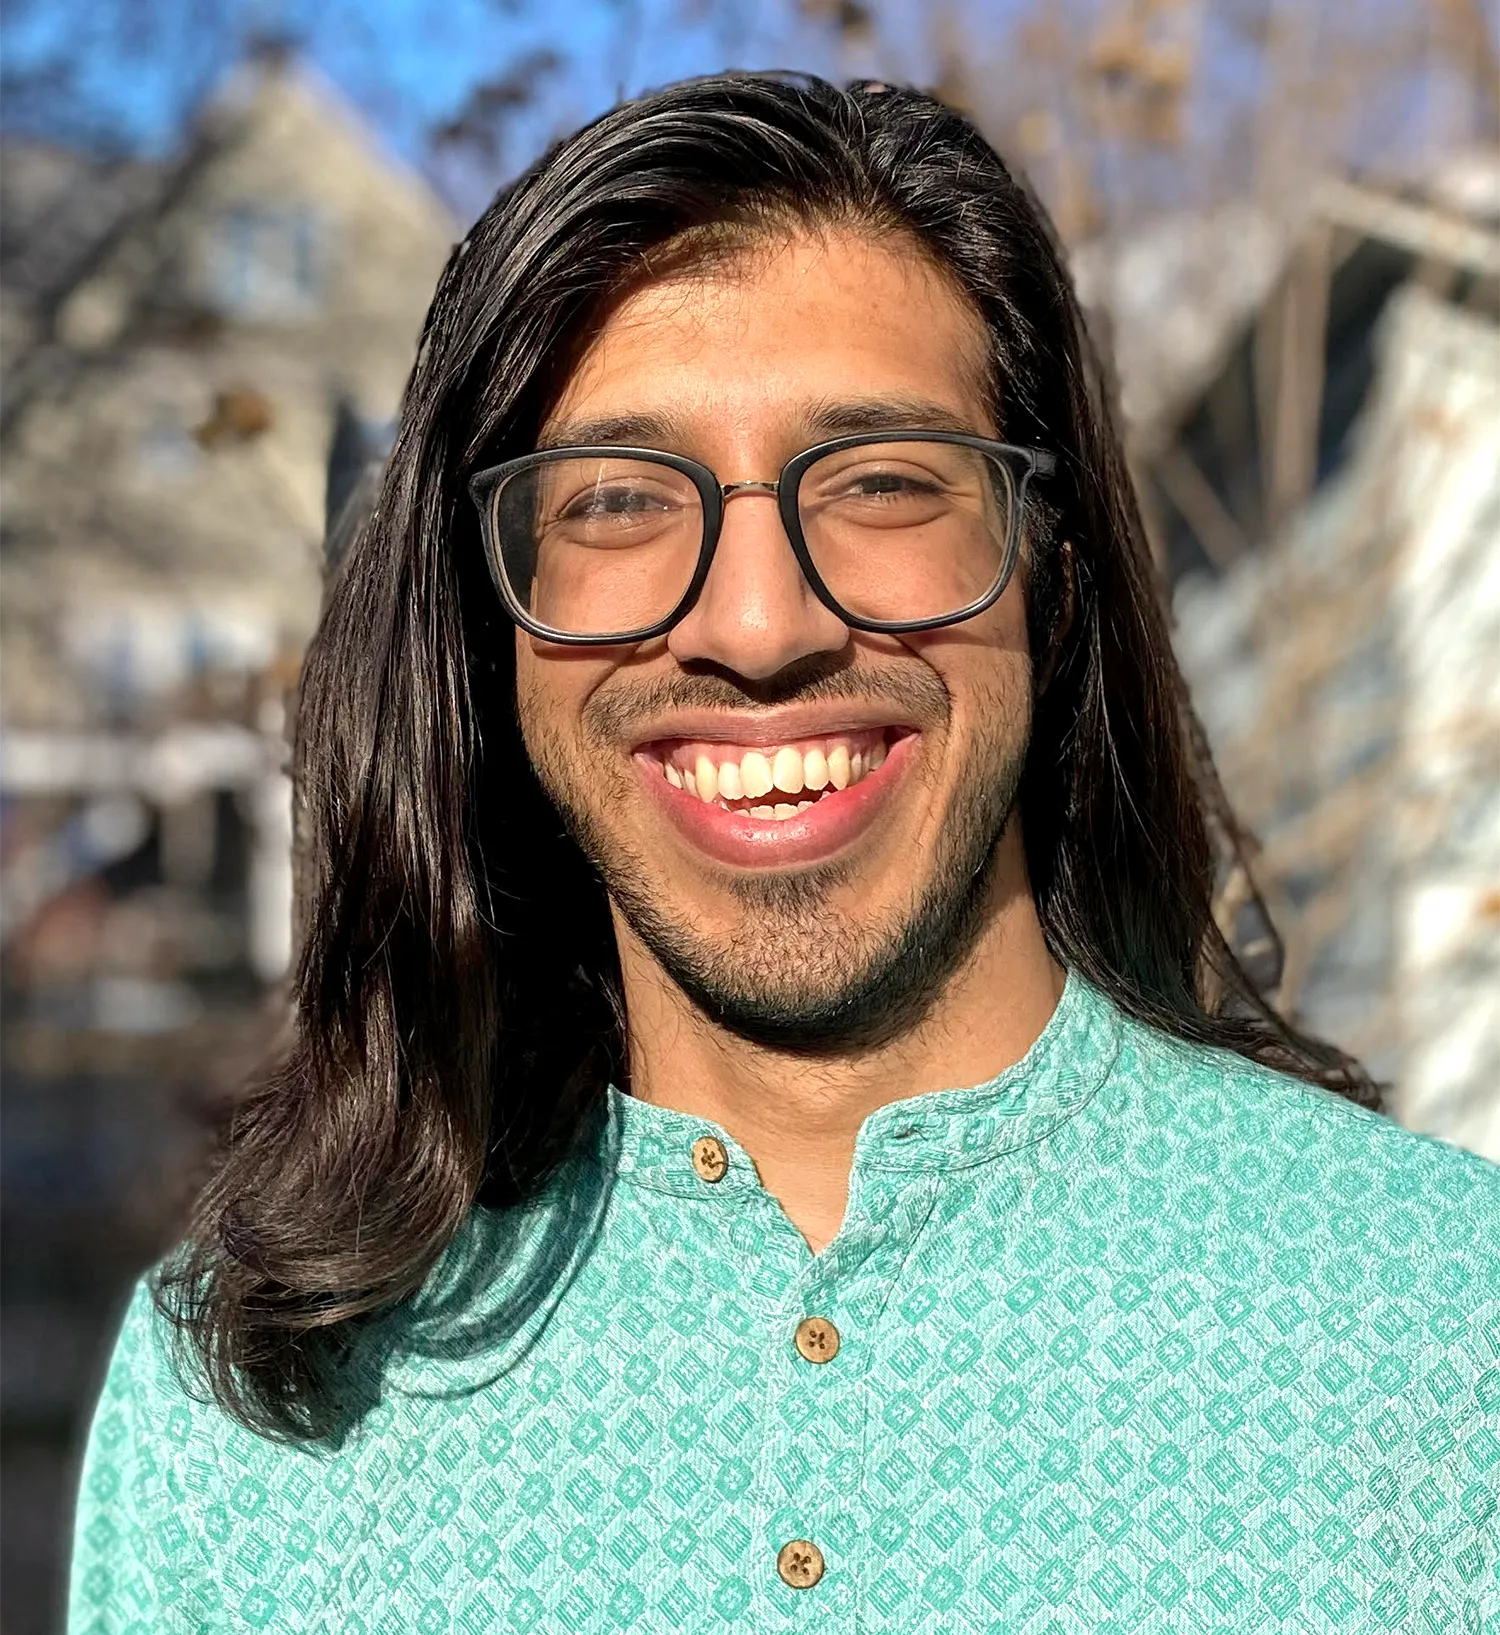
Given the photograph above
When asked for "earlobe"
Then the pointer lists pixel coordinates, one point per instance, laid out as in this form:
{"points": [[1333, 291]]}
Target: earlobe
{"points": [[1062, 623]]}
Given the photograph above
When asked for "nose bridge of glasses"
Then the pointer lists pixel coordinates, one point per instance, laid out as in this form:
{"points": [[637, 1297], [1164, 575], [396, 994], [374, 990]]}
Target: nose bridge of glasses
{"points": [[757, 611], [748, 579], [729, 490]]}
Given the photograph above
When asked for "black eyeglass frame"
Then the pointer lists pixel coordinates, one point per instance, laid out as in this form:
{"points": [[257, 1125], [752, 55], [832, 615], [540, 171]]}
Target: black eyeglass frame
{"points": [[1023, 464]]}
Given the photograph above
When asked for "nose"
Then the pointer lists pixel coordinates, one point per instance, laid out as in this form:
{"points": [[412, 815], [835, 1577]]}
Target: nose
{"points": [[756, 613]]}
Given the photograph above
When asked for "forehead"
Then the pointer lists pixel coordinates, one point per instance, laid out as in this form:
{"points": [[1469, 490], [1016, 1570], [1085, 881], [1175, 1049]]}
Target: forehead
{"points": [[760, 335]]}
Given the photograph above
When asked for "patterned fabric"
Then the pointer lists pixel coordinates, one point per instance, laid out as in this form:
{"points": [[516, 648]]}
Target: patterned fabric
{"points": [[1136, 1337]]}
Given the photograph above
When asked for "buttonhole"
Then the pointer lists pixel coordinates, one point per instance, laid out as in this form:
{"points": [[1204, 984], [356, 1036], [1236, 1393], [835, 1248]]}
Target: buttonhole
{"points": [[907, 1133]]}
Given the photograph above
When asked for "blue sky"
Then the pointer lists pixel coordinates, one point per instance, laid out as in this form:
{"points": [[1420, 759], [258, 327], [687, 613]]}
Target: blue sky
{"points": [[124, 75], [128, 70]]}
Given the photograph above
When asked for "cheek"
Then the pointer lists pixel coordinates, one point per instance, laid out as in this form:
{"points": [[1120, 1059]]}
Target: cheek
{"points": [[992, 708], [985, 664], [547, 704], [1003, 627], [530, 694], [553, 689]]}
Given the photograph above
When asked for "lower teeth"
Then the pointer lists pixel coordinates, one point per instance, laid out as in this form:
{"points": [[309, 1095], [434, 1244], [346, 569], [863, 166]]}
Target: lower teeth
{"points": [[778, 813]]}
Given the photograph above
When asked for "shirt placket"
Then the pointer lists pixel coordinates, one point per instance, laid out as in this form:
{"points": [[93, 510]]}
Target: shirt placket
{"points": [[821, 1333]]}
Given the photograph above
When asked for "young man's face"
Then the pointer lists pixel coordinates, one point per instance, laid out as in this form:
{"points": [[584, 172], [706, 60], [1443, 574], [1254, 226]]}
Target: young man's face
{"points": [[819, 916]]}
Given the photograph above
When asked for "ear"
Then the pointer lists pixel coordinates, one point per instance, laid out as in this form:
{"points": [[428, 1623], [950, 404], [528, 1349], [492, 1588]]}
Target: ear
{"points": [[1067, 604]]}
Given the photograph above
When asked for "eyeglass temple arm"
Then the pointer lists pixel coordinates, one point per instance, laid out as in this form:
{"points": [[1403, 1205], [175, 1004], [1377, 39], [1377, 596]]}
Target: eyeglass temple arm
{"points": [[1043, 464]]}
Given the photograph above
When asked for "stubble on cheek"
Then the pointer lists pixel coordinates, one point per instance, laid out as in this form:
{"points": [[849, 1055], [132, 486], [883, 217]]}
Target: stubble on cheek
{"points": [[574, 781]]}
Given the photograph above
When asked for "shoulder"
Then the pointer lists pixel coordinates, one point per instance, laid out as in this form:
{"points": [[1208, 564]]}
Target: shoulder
{"points": [[145, 1376], [130, 1544], [1217, 1089], [1210, 1115], [160, 1429], [154, 1415]]}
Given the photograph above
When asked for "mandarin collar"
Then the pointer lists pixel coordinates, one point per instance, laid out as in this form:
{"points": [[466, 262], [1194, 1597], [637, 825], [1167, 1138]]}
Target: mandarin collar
{"points": [[936, 1130]]}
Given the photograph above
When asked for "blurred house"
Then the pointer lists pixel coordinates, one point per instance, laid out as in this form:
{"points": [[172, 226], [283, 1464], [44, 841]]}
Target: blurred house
{"points": [[199, 359], [1315, 414], [187, 348], [167, 418]]}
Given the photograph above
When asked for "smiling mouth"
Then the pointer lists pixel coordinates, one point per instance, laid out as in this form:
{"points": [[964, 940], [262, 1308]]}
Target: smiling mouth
{"points": [[772, 782]]}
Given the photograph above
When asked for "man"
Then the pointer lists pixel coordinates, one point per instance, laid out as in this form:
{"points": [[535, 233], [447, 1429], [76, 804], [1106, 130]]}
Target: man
{"points": [[773, 1136]]}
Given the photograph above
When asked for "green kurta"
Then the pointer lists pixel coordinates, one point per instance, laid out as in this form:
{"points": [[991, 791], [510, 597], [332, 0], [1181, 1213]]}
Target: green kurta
{"points": [[1135, 1337]]}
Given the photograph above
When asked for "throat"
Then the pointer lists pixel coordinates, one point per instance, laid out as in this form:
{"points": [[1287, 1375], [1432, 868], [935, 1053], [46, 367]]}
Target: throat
{"points": [[813, 1197]]}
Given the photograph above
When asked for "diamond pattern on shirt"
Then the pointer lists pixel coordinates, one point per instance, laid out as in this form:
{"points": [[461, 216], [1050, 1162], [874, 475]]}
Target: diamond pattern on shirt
{"points": [[1137, 1337]]}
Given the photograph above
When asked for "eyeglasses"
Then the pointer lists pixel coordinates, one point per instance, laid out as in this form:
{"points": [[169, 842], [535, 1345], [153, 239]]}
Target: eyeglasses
{"points": [[895, 531]]}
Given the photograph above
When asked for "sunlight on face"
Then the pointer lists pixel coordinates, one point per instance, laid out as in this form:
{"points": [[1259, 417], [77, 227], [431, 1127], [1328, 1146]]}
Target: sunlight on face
{"points": [[800, 821]]}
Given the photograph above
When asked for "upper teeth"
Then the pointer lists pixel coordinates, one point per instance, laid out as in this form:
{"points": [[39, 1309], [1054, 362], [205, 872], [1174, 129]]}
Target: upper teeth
{"points": [[731, 775]]}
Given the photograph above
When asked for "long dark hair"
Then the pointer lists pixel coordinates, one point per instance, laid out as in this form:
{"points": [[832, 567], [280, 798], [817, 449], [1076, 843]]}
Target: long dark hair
{"points": [[456, 1012]]}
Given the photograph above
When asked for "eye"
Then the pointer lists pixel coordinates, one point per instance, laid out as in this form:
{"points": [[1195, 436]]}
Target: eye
{"points": [[881, 489], [618, 500], [872, 484]]}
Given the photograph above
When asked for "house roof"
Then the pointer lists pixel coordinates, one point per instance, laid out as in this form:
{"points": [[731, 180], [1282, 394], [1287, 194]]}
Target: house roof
{"points": [[1174, 297]]}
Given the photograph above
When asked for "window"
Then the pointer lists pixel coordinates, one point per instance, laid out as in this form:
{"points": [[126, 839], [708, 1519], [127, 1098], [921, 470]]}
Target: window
{"points": [[269, 262]]}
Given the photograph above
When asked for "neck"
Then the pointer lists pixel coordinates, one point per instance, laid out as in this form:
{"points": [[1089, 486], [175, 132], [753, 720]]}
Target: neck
{"points": [[798, 1117]]}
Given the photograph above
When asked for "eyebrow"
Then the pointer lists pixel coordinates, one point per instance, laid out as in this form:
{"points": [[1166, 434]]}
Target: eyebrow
{"points": [[825, 418], [834, 418], [657, 431]]}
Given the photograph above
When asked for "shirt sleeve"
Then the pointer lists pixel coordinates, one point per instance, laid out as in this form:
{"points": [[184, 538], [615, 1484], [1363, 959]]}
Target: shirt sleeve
{"points": [[133, 1557]]}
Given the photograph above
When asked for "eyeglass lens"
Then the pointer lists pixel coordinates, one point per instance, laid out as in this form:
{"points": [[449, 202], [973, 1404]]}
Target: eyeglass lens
{"points": [[597, 544]]}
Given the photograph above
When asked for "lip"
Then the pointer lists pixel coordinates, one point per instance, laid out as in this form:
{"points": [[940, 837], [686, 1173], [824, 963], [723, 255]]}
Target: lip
{"points": [[813, 836], [765, 728]]}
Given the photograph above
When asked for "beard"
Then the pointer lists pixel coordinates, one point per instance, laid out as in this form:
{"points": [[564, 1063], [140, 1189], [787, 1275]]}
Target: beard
{"points": [[798, 976]]}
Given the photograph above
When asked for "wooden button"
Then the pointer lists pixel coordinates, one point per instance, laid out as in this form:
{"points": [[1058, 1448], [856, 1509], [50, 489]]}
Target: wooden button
{"points": [[709, 1158], [817, 1339], [800, 1564]]}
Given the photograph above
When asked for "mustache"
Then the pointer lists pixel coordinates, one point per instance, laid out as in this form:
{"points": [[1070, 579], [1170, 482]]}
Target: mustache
{"points": [[919, 694]]}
